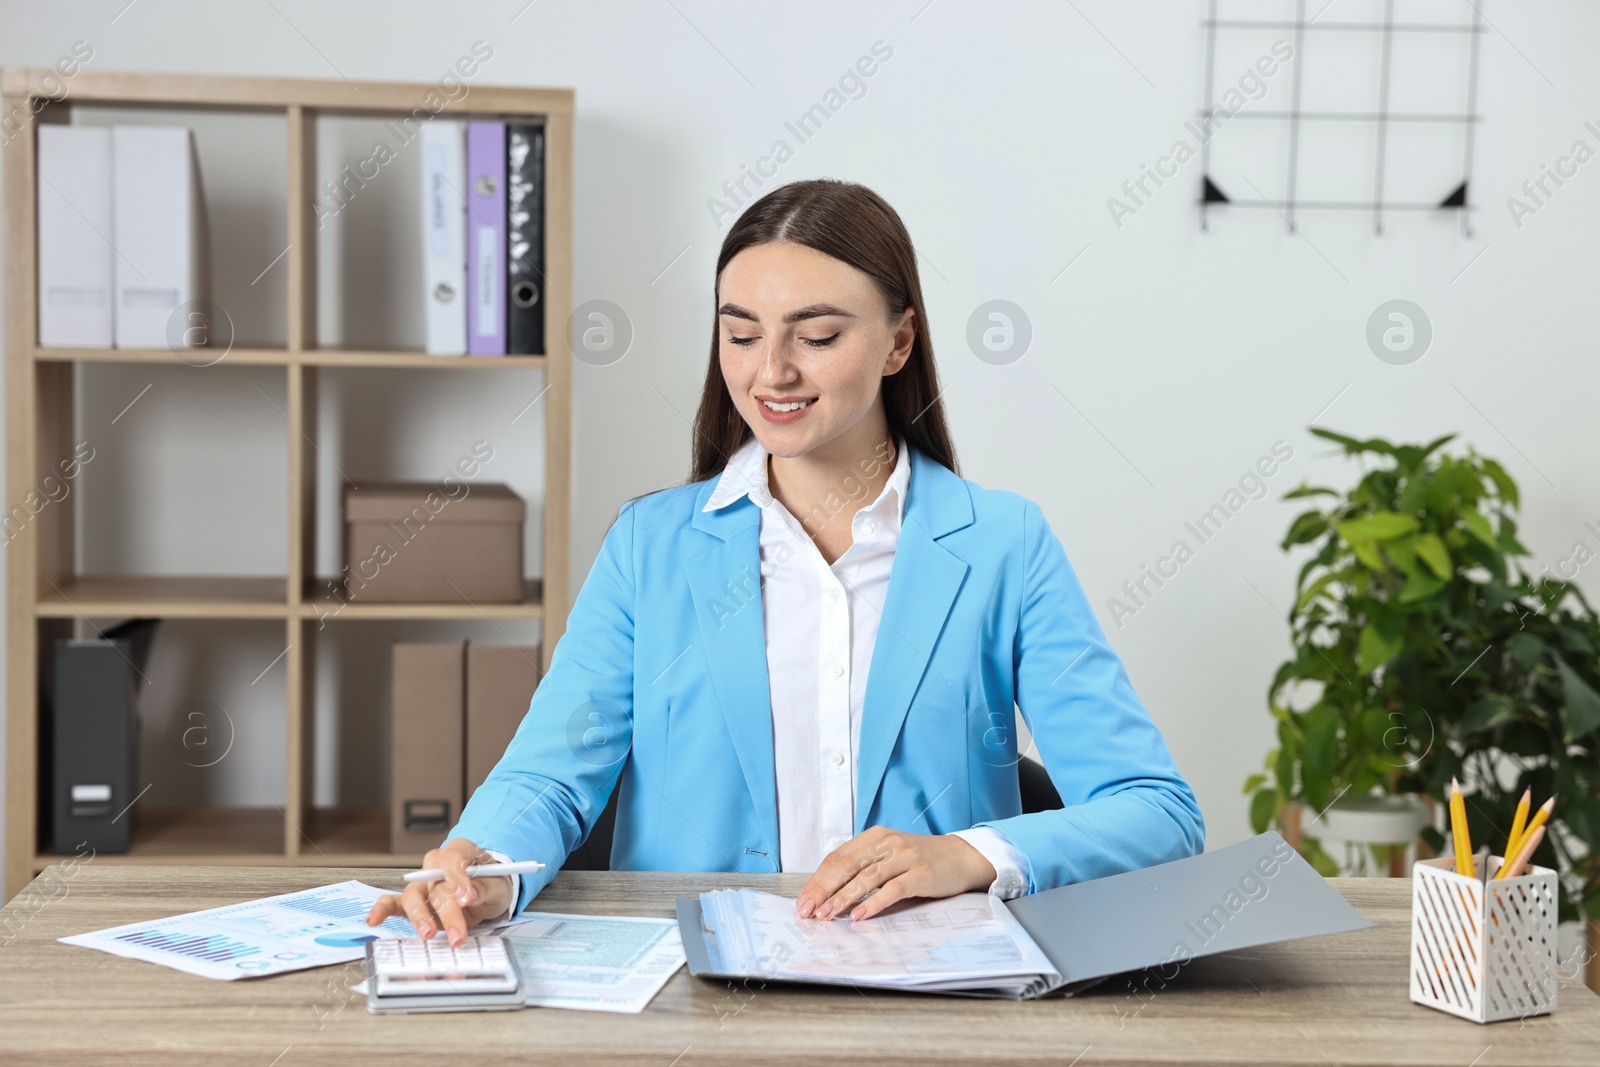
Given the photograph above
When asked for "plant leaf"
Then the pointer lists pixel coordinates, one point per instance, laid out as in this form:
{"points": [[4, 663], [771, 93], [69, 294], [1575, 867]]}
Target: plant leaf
{"points": [[1403, 551], [1437, 443], [1367, 552], [1488, 712], [1379, 526], [1376, 650], [1263, 808], [1350, 443], [1303, 490], [1314, 588], [1419, 586], [1316, 765], [1502, 481], [1525, 650], [1306, 527], [1474, 521], [1435, 555], [1582, 703]]}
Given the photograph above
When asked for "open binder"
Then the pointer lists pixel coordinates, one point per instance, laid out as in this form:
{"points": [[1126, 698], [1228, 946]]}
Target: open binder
{"points": [[1253, 893]]}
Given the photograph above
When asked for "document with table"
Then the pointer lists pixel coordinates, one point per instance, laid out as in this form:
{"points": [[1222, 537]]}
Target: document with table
{"points": [[1253, 893]]}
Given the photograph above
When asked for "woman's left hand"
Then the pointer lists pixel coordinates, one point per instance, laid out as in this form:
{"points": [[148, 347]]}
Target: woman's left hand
{"points": [[898, 865]]}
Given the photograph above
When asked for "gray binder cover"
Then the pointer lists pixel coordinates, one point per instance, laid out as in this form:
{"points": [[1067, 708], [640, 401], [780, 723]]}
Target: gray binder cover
{"points": [[1256, 892]]}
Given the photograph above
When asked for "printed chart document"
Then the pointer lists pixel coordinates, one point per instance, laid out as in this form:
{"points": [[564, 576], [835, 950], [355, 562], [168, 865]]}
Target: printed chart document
{"points": [[593, 962], [968, 942], [274, 935]]}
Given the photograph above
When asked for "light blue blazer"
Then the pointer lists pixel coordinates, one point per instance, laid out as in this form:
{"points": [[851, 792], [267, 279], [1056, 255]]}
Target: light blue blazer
{"points": [[659, 689]]}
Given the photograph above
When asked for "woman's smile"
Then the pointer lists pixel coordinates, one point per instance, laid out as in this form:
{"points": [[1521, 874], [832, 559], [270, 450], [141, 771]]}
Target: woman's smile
{"points": [[782, 409]]}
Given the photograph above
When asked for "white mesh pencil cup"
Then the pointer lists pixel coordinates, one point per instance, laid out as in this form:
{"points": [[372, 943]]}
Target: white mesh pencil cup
{"points": [[1485, 951]]}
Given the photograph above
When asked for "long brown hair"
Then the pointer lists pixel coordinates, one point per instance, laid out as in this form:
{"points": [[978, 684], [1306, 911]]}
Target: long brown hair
{"points": [[853, 224]]}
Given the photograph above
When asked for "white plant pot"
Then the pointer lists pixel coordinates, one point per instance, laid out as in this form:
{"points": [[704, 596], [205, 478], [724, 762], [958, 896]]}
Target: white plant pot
{"points": [[1373, 820]]}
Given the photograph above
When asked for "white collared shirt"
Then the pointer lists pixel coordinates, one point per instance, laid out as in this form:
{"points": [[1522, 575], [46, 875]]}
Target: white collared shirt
{"points": [[821, 625]]}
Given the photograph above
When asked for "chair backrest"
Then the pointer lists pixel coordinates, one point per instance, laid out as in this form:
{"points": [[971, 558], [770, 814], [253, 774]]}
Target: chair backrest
{"points": [[1038, 791]]}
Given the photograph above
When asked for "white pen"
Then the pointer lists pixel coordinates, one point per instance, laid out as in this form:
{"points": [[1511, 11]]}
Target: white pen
{"points": [[475, 870]]}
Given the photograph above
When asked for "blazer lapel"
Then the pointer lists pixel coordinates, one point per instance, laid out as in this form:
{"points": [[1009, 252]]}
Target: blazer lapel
{"points": [[923, 584], [725, 581]]}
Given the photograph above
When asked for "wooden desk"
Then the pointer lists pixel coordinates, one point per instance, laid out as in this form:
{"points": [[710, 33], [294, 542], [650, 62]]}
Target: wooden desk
{"points": [[1338, 1000]]}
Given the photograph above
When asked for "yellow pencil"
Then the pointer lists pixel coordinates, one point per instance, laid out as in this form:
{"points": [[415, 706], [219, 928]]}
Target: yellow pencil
{"points": [[1518, 823], [1535, 823], [1458, 829]]}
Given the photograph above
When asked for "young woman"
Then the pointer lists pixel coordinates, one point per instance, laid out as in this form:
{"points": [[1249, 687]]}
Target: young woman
{"points": [[809, 657]]}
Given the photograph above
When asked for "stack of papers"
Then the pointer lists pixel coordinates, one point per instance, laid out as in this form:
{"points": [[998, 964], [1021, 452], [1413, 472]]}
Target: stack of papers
{"points": [[968, 943]]}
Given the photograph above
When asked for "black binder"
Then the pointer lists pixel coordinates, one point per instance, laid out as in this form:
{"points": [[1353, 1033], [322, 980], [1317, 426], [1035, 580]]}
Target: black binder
{"points": [[95, 735], [525, 238]]}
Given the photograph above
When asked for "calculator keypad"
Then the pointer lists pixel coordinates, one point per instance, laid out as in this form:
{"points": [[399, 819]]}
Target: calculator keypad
{"points": [[410, 966]]}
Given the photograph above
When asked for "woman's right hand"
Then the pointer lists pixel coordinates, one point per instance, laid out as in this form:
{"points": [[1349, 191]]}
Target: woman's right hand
{"points": [[453, 904]]}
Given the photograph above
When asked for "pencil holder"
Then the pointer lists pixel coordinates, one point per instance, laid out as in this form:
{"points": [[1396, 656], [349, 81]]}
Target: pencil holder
{"points": [[1483, 950]]}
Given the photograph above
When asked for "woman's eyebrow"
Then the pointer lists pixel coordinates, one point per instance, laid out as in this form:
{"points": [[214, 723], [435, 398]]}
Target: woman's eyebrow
{"points": [[813, 311], [817, 311]]}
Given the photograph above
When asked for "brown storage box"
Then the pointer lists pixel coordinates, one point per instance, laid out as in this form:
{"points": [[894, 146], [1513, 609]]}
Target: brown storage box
{"points": [[415, 542], [500, 683], [425, 741]]}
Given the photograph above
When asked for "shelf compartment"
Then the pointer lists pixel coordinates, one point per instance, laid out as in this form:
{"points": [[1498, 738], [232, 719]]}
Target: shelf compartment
{"points": [[222, 836], [282, 357], [355, 836], [195, 356], [253, 837], [118, 596], [349, 357], [319, 604]]}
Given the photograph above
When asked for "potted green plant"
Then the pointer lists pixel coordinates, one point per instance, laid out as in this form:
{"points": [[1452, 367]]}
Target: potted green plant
{"points": [[1424, 650]]}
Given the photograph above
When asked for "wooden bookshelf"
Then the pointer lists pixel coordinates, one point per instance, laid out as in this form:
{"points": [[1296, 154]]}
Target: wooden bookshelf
{"points": [[44, 592]]}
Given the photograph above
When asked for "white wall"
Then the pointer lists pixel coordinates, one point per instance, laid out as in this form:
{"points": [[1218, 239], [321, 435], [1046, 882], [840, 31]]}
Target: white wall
{"points": [[1163, 362]]}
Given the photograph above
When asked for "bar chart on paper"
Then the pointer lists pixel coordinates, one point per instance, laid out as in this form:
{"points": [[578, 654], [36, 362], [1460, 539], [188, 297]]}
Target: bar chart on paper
{"points": [[311, 928]]}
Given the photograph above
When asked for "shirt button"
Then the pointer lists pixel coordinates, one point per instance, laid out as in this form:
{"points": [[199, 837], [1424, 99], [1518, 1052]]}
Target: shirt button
{"points": [[868, 528], [837, 759], [838, 672], [834, 593]]}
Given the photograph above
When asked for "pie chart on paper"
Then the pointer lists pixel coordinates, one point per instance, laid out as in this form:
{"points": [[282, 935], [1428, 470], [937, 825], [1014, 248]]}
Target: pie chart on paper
{"points": [[345, 940]]}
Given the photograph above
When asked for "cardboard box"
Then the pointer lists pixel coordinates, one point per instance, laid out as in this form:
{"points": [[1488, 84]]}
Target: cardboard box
{"points": [[422, 542], [426, 703], [500, 683]]}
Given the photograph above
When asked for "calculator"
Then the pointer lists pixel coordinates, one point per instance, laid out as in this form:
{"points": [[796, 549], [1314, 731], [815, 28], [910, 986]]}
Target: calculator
{"points": [[407, 974]]}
